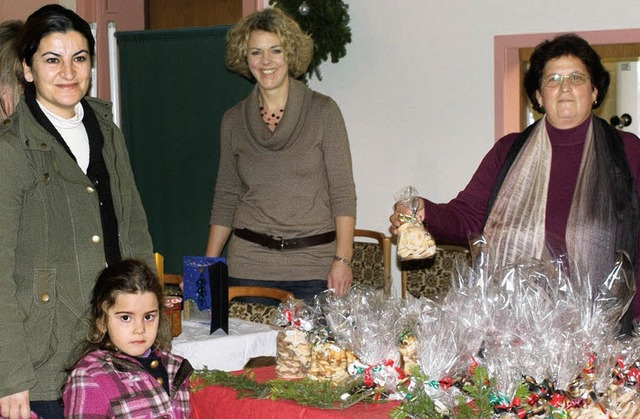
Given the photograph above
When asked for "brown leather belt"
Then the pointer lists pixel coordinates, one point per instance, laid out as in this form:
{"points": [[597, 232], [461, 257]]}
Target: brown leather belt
{"points": [[280, 243]]}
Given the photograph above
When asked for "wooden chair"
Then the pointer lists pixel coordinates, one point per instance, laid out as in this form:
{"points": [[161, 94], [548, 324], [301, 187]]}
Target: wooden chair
{"points": [[431, 278], [170, 284], [371, 261], [265, 292], [255, 312]]}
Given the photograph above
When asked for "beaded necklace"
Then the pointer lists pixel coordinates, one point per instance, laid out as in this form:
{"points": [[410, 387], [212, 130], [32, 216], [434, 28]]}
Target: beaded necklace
{"points": [[271, 119]]}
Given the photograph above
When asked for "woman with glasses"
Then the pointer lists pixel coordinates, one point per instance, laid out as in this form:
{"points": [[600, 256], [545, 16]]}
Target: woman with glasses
{"points": [[568, 184]]}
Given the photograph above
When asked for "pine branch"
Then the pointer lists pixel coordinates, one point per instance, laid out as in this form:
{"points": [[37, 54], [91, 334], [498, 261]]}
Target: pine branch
{"points": [[328, 25], [306, 392]]}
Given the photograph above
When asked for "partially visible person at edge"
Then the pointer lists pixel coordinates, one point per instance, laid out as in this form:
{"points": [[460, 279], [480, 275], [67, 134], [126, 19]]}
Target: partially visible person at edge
{"points": [[69, 207], [568, 184], [285, 185], [10, 67], [125, 369]]}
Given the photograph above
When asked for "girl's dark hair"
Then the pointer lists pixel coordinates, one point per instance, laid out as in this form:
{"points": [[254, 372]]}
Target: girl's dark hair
{"points": [[48, 19], [128, 276], [568, 44]]}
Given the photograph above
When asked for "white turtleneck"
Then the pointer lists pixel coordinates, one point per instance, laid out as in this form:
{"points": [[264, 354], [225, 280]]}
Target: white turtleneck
{"points": [[74, 134]]}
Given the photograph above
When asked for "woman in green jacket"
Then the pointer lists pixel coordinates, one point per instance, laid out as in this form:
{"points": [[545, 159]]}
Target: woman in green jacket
{"points": [[69, 207]]}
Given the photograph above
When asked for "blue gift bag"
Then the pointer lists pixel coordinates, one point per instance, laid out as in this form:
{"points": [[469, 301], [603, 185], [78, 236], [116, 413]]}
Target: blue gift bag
{"points": [[206, 282], [196, 281]]}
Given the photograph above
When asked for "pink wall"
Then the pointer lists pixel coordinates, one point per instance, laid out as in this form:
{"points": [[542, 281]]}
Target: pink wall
{"points": [[128, 15], [20, 9]]}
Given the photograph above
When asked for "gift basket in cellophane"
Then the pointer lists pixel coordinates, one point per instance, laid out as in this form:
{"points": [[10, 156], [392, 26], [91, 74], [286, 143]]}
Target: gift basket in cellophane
{"points": [[535, 339]]}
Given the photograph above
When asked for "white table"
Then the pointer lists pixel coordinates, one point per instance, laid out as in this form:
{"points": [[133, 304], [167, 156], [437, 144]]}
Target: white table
{"points": [[224, 352]]}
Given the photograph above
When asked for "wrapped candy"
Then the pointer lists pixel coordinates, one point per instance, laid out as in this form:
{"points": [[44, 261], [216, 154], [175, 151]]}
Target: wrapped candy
{"points": [[414, 241]]}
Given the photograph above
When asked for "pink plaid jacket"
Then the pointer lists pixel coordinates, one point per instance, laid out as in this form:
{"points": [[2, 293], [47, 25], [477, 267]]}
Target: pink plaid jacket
{"points": [[110, 384]]}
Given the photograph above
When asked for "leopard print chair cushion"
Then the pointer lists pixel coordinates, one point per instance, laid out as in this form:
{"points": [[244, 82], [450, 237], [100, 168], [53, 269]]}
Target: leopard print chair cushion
{"points": [[253, 312], [431, 278], [367, 265]]}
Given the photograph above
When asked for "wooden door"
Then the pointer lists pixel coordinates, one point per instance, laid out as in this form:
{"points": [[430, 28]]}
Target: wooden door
{"points": [[168, 14]]}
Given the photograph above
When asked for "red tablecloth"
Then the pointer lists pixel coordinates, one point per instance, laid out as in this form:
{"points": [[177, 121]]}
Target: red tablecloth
{"points": [[221, 402]]}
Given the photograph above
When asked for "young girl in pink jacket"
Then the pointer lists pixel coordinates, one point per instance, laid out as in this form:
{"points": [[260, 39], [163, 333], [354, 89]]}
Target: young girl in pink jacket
{"points": [[125, 370]]}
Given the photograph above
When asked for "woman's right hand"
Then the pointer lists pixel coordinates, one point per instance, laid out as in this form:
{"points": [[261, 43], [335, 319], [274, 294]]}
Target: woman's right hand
{"points": [[402, 208], [15, 406]]}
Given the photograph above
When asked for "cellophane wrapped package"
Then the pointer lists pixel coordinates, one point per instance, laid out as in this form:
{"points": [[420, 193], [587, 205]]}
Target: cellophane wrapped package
{"points": [[414, 241], [293, 348], [366, 324], [540, 328]]}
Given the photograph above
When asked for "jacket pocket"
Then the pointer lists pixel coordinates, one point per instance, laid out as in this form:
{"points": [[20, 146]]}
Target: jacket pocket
{"points": [[40, 324]]}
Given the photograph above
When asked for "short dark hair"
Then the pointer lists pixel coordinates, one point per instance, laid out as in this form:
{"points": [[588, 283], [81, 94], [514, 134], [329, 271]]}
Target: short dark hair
{"points": [[48, 19], [568, 44]]}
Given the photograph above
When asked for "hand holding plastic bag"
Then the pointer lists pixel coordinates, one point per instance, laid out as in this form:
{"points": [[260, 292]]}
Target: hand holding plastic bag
{"points": [[414, 241]]}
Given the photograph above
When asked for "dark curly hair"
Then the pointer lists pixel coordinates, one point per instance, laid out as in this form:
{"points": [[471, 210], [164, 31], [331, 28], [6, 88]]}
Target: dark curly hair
{"points": [[568, 44]]}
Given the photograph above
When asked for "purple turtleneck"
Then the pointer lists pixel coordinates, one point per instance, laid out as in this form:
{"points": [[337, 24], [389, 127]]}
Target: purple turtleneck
{"points": [[463, 216]]}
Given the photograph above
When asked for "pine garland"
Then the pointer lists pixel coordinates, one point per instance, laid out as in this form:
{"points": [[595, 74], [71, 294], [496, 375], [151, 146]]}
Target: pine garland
{"points": [[327, 22], [306, 392]]}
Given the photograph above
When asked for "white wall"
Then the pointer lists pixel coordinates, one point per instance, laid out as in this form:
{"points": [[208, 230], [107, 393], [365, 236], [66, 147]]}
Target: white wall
{"points": [[416, 87]]}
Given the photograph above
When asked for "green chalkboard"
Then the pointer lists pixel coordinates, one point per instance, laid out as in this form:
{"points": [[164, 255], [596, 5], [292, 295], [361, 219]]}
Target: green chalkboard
{"points": [[174, 89]]}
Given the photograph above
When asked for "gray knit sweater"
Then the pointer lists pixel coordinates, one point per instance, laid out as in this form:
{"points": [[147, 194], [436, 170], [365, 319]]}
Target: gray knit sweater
{"points": [[292, 182]]}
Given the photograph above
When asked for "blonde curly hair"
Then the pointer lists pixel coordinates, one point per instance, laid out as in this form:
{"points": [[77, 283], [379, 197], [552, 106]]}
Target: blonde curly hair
{"points": [[297, 45]]}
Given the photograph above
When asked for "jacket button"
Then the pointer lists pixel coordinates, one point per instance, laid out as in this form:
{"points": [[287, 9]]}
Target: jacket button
{"points": [[95, 239], [154, 363], [6, 122], [90, 189], [43, 145], [160, 380], [44, 297]]}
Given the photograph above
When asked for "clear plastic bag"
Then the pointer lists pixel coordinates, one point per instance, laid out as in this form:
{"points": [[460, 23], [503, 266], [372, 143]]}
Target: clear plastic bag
{"points": [[414, 241], [293, 348]]}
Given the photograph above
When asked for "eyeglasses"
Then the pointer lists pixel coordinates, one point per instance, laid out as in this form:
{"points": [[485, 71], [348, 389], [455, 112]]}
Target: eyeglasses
{"points": [[575, 79]]}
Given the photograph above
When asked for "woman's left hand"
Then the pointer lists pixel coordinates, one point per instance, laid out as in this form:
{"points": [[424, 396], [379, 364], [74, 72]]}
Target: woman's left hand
{"points": [[340, 278]]}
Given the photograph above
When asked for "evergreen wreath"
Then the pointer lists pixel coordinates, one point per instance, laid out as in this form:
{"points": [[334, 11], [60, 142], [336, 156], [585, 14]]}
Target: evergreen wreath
{"points": [[327, 21]]}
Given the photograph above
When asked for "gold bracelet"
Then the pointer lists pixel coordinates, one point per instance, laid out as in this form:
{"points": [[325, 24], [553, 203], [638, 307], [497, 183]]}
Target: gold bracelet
{"points": [[342, 260]]}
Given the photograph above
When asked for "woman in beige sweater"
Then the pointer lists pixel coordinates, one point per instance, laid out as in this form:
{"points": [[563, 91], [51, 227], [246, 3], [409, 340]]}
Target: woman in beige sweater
{"points": [[285, 185]]}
